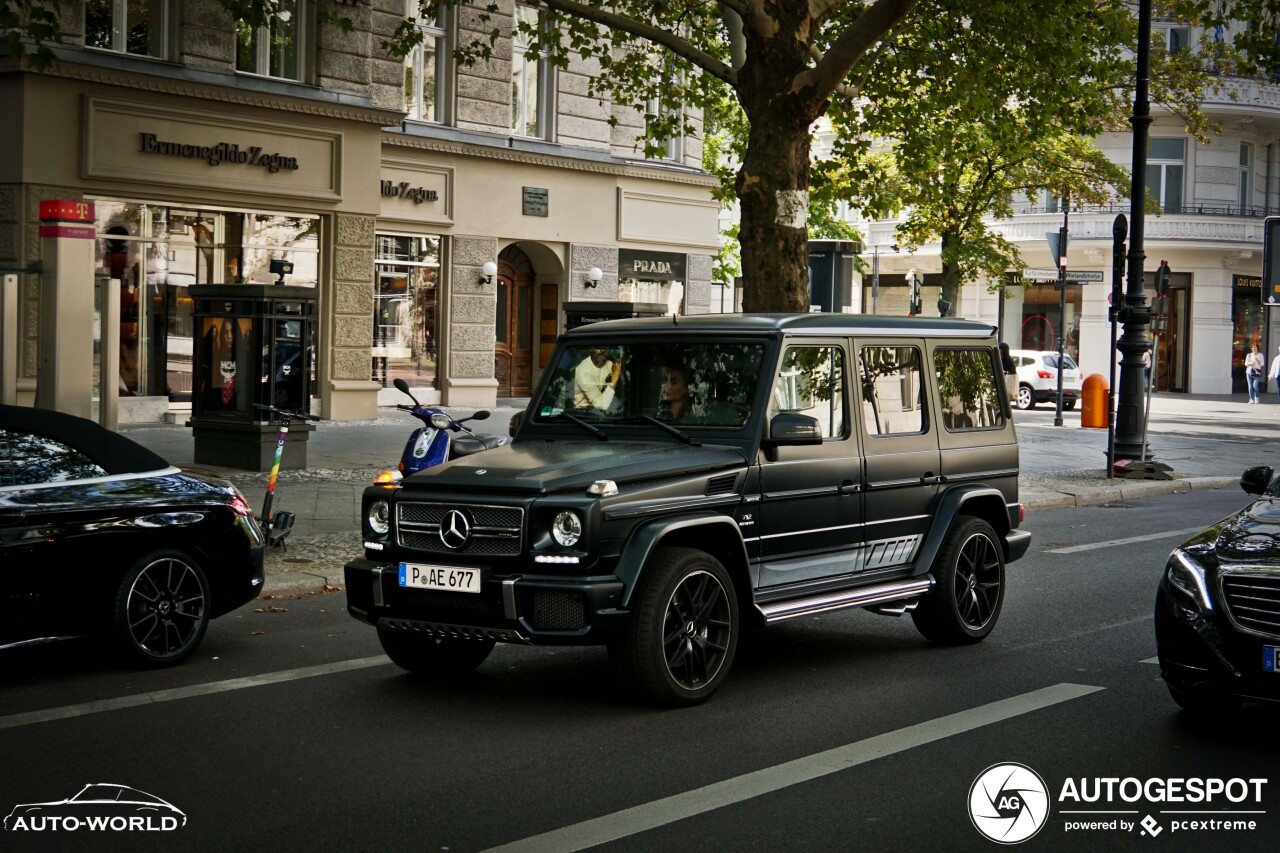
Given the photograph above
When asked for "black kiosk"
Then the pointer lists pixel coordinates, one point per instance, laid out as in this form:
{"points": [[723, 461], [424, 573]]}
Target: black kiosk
{"points": [[583, 312], [254, 343]]}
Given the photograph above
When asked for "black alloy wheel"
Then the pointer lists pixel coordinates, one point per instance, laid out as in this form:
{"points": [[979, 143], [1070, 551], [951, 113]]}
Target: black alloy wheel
{"points": [[683, 632], [965, 603], [161, 609], [422, 654]]}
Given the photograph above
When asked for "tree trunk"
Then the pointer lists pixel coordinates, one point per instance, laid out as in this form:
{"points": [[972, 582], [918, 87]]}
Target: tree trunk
{"points": [[950, 277], [773, 190]]}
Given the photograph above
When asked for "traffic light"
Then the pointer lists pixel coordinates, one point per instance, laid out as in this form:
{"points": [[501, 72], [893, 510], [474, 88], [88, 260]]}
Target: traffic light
{"points": [[916, 304], [1271, 259]]}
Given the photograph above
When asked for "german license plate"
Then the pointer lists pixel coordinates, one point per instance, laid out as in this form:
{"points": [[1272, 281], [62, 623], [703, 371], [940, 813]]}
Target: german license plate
{"points": [[447, 578], [1271, 658]]}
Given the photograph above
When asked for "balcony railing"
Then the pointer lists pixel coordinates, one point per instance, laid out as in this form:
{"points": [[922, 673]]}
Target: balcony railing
{"points": [[1189, 209]]}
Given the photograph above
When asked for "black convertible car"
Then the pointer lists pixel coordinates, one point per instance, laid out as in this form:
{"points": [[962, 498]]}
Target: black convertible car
{"points": [[98, 535], [1218, 607]]}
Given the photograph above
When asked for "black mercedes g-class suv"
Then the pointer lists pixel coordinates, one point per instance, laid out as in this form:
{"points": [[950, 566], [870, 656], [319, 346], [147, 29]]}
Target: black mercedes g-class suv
{"points": [[676, 481]]}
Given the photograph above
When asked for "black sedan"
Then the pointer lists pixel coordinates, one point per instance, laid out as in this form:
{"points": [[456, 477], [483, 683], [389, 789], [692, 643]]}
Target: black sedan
{"points": [[100, 536], [1218, 607]]}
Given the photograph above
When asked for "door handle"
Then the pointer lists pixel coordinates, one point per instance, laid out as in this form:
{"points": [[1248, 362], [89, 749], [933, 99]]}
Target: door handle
{"points": [[930, 479], [848, 487]]}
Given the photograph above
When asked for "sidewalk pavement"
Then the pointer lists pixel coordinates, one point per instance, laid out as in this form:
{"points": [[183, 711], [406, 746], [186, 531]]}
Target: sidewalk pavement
{"points": [[1208, 440]]}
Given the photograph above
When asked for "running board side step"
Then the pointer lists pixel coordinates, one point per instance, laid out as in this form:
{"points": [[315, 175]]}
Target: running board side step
{"points": [[781, 611]]}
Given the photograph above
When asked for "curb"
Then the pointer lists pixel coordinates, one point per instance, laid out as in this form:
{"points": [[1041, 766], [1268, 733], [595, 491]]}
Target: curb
{"points": [[1123, 490]]}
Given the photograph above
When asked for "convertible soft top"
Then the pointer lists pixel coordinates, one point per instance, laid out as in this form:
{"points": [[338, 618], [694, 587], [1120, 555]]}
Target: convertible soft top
{"points": [[111, 451]]}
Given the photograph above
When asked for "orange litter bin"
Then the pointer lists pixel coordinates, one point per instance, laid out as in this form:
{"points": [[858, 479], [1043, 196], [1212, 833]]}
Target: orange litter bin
{"points": [[1093, 404]]}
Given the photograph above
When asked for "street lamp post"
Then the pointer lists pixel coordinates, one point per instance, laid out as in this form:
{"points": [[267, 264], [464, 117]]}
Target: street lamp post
{"points": [[1062, 304], [1135, 314]]}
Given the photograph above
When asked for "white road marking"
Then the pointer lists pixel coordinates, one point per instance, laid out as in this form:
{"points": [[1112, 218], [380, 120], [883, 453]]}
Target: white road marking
{"points": [[1076, 549], [1150, 660], [67, 711], [627, 822]]}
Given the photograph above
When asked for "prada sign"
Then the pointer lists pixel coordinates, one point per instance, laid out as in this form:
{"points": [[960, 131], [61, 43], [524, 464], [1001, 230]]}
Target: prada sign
{"points": [[651, 266], [221, 152], [402, 189]]}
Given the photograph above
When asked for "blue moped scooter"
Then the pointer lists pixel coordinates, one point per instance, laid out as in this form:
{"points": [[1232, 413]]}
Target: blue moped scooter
{"points": [[441, 437]]}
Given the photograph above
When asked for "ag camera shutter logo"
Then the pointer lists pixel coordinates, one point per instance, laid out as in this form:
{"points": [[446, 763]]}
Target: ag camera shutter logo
{"points": [[1008, 803]]}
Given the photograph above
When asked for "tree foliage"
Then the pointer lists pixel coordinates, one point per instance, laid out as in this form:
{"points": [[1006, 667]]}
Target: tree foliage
{"points": [[976, 98]]}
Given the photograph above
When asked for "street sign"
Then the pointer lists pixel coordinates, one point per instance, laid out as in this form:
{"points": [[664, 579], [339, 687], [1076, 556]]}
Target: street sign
{"points": [[1072, 275]]}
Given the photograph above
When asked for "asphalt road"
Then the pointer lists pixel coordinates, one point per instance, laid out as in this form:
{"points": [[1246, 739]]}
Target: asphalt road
{"points": [[845, 731]]}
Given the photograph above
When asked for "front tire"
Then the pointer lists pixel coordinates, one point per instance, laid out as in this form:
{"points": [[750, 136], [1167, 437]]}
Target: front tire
{"points": [[161, 609], [680, 641], [438, 656], [1026, 397], [965, 603]]}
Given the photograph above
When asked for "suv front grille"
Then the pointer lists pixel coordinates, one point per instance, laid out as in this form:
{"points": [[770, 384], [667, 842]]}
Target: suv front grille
{"points": [[495, 531], [1253, 601]]}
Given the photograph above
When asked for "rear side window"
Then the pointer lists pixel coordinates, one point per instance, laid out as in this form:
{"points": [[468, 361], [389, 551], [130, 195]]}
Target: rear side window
{"points": [[967, 383], [33, 459], [892, 390]]}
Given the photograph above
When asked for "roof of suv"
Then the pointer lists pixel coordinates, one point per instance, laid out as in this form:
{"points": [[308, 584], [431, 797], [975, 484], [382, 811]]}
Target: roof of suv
{"points": [[814, 324]]}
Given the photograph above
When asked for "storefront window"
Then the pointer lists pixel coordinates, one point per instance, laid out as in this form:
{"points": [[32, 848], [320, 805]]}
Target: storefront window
{"points": [[155, 253], [1042, 320], [1246, 325], [652, 277], [405, 330]]}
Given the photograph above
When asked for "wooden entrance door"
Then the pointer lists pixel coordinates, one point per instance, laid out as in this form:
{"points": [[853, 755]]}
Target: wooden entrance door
{"points": [[513, 350]]}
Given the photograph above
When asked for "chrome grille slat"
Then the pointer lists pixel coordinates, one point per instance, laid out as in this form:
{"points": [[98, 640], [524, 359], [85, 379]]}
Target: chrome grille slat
{"points": [[1251, 600], [497, 531]]}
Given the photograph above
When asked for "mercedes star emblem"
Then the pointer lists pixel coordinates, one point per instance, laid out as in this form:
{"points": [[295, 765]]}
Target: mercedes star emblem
{"points": [[455, 529]]}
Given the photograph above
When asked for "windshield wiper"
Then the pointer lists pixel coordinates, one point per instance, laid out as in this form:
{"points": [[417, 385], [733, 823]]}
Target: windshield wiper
{"points": [[594, 430], [677, 432]]}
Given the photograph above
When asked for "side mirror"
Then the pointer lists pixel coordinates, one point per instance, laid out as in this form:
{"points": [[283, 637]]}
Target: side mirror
{"points": [[513, 425], [1255, 480], [482, 415], [790, 428], [401, 385]]}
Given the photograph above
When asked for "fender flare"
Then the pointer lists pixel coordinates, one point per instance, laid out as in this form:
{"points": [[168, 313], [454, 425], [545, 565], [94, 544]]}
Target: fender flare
{"points": [[647, 538], [950, 506]]}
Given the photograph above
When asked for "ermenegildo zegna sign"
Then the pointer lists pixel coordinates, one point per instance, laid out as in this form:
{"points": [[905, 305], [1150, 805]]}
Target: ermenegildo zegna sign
{"points": [[222, 152]]}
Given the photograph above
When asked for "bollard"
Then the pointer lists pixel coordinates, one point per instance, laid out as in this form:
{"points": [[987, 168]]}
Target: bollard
{"points": [[1093, 410]]}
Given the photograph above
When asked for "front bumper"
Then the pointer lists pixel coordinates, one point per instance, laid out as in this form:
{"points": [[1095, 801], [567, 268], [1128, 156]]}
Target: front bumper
{"points": [[511, 607], [1200, 653]]}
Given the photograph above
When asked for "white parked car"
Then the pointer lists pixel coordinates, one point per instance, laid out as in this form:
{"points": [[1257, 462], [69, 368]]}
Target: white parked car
{"points": [[1038, 378]]}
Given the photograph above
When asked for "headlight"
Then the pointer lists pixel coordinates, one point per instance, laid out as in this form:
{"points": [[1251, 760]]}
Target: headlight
{"points": [[441, 421], [1188, 576], [379, 517], [567, 529]]}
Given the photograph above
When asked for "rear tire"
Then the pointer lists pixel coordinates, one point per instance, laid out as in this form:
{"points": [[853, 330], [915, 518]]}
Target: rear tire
{"points": [[683, 632], [438, 656], [161, 609], [1068, 404], [965, 602], [1026, 397]]}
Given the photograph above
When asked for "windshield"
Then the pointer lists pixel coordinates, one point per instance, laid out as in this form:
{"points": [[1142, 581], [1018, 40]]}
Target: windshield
{"points": [[687, 384]]}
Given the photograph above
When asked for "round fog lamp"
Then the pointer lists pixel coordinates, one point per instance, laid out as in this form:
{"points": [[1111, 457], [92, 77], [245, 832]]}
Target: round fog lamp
{"points": [[567, 529], [379, 517]]}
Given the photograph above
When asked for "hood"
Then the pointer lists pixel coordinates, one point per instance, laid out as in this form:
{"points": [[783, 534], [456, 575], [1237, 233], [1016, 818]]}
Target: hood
{"points": [[551, 466], [1250, 537]]}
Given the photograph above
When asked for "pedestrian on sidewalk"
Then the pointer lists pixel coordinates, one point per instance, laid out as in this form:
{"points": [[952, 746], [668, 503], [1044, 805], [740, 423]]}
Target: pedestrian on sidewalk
{"points": [[1254, 365], [1274, 374], [1010, 371]]}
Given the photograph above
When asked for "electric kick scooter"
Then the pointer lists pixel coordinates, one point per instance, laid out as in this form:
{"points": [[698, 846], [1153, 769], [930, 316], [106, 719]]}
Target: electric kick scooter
{"points": [[276, 526]]}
